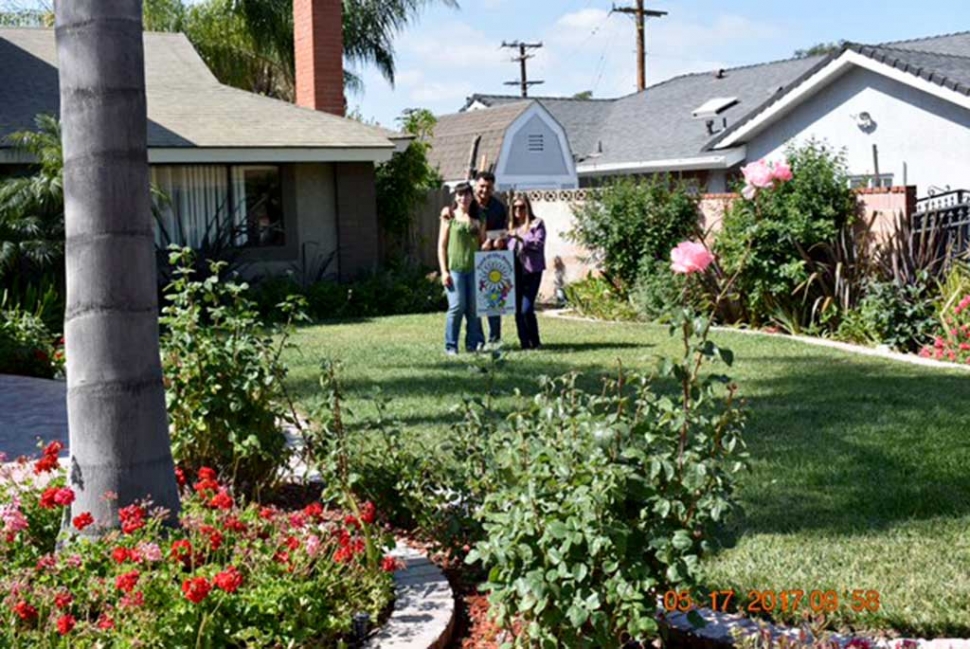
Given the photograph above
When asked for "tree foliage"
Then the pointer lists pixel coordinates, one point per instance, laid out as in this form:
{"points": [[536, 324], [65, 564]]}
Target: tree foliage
{"points": [[249, 43], [405, 179], [820, 49]]}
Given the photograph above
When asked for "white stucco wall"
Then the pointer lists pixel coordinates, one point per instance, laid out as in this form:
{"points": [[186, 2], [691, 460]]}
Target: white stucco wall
{"points": [[922, 140]]}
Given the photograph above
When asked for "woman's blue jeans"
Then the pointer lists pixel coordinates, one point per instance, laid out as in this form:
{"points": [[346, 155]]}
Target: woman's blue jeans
{"points": [[461, 302]]}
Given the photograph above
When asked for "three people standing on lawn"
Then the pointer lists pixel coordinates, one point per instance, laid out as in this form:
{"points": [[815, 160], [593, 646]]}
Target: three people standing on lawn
{"points": [[487, 219]]}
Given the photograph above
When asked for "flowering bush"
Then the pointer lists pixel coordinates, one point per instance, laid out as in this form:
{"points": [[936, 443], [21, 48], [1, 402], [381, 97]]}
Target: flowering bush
{"points": [[953, 343], [228, 576]]}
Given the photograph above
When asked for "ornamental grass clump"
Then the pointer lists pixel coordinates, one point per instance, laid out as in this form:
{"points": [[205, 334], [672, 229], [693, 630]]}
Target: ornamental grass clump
{"points": [[228, 576]]}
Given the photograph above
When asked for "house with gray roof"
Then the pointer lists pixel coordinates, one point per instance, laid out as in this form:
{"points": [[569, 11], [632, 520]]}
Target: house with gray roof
{"points": [[283, 183], [899, 111]]}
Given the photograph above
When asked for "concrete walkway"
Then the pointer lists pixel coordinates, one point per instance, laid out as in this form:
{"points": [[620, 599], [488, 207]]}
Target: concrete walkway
{"points": [[30, 409]]}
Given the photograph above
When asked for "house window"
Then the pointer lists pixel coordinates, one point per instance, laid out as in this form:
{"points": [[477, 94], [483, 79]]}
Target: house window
{"points": [[536, 143], [218, 206], [870, 181]]}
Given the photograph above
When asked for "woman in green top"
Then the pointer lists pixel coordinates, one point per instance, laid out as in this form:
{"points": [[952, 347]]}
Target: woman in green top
{"points": [[458, 239]]}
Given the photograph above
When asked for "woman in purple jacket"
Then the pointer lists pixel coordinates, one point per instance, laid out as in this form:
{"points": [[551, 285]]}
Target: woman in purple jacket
{"points": [[528, 241]]}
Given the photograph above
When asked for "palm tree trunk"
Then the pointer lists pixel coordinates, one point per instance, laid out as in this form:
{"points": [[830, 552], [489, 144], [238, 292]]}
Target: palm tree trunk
{"points": [[115, 398]]}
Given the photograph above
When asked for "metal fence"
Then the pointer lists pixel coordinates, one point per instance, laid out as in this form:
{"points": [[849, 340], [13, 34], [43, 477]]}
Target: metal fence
{"points": [[948, 215]]}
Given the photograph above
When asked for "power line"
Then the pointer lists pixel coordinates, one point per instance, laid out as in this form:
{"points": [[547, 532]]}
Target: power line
{"points": [[640, 14], [523, 81]]}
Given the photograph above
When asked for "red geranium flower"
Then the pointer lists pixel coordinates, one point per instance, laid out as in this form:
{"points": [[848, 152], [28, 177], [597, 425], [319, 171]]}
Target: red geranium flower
{"points": [[105, 623], [207, 473], [293, 543], [63, 600], [368, 513], [228, 580], [313, 510], [221, 500], [65, 623], [215, 536], [180, 476], [196, 589], [127, 582], [132, 518], [82, 520], [25, 611], [54, 496], [351, 521], [120, 554], [389, 564], [233, 524], [182, 551]]}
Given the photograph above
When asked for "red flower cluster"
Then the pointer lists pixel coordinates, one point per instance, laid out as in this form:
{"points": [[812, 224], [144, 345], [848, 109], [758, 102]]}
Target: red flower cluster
{"points": [[349, 547], [56, 496], [63, 600], [228, 580], [368, 513], [215, 536], [48, 459], [65, 623], [182, 552], [954, 344], [180, 476], [196, 589], [233, 524], [389, 564], [25, 611], [207, 482], [221, 500], [127, 582], [83, 520], [132, 518]]}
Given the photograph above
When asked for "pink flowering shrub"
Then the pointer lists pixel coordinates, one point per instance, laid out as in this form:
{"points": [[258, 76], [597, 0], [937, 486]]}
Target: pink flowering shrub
{"points": [[229, 576], [953, 343]]}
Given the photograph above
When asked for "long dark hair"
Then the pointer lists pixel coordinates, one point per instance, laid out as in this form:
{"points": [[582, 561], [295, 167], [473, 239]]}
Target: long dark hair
{"points": [[473, 209]]}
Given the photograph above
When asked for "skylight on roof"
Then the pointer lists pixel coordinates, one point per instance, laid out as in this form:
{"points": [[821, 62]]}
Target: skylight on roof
{"points": [[713, 107]]}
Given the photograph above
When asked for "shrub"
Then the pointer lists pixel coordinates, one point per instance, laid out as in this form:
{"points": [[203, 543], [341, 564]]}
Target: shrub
{"points": [[901, 316], [27, 347], [770, 237], [397, 290], [602, 501], [632, 223], [223, 377], [228, 576], [952, 342], [595, 297]]}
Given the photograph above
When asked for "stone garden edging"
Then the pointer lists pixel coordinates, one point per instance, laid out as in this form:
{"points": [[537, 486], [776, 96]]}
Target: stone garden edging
{"points": [[424, 606]]}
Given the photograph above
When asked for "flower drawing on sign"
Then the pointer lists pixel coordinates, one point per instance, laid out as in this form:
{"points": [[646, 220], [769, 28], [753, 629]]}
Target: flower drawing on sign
{"points": [[495, 281]]}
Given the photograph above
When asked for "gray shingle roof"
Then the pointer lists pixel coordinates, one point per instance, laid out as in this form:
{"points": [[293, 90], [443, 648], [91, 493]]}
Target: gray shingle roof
{"points": [[454, 134], [187, 106], [957, 44]]}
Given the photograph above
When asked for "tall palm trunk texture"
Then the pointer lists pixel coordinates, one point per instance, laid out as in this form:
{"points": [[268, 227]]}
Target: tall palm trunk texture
{"points": [[115, 398]]}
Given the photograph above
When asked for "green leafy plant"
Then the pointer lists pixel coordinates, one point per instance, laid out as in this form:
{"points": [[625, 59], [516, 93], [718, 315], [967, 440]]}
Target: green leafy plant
{"points": [[630, 224], [223, 377], [595, 297], [900, 316], [27, 347]]}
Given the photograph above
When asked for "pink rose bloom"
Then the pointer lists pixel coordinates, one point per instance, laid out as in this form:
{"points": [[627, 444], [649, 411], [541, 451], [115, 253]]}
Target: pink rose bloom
{"points": [[689, 257], [781, 171], [749, 192], [758, 174]]}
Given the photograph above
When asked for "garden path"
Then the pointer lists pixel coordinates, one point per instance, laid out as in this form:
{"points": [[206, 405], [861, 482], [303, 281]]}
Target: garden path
{"points": [[31, 408]]}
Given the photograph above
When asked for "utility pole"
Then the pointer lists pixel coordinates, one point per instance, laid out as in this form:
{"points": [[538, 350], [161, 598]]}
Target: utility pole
{"points": [[523, 81], [640, 13]]}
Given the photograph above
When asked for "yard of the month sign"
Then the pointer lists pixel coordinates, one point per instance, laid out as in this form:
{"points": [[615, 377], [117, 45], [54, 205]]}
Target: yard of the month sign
{"points": [[495, 283]]}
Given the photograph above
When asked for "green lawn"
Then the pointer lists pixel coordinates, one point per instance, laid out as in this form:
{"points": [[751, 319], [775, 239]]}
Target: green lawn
{"points": [[861, 466]]}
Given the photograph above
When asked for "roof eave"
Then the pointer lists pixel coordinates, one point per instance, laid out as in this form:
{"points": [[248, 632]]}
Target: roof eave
{"points": [[243, 155], [724, 159]]}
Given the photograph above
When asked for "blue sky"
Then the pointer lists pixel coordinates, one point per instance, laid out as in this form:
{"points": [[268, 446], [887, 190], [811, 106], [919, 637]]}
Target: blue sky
{"points": [[450, 54]]}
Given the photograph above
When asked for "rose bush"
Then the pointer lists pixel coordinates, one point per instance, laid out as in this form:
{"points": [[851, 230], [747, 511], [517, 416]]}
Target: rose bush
{"points": [[230, 575]]}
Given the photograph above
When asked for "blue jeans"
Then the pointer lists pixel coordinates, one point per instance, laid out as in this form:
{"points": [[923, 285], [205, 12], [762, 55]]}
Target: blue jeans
{"points": [[526, 324], [461, 302], [494, 328]]}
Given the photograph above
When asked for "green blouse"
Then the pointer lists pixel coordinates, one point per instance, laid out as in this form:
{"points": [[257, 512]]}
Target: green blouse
{"points": [[462, 245]]}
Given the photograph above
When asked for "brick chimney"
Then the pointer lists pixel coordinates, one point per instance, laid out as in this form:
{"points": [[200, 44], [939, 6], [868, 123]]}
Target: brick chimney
{"points": [[319, 52]]}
